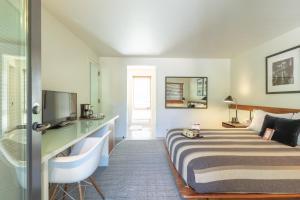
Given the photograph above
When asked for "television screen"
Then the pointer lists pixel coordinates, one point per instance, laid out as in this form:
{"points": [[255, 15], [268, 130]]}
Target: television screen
{"points": [[59, 107]]}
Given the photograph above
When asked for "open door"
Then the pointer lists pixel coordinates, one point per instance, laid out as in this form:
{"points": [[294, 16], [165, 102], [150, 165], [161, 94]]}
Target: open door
{"points": [[141, 101]]}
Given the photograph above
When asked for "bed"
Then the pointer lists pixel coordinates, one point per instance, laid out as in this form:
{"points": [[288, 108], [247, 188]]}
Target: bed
{"points": [[233, 163]]}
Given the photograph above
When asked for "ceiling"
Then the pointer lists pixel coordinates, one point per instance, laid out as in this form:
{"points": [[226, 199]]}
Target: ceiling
{"points": [[176, 28]]}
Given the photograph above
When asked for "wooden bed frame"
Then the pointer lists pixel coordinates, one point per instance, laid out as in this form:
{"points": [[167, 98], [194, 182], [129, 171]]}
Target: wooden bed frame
{"points": [[265, 108], [188, 193]]}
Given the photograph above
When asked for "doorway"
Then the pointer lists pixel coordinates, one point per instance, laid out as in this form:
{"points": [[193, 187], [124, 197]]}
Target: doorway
{"points": [[141, 102], [14, 103]]}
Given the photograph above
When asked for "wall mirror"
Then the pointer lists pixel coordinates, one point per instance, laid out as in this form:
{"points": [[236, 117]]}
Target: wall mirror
{"points": [[186, 92]]}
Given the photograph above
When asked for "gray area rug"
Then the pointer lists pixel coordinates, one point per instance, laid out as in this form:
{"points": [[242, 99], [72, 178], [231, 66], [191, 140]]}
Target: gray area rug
{"points": [[138, 170]]}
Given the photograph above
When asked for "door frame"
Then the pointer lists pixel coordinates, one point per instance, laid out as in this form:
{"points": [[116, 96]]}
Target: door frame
{"points": [[92, 62], [6, 58], [141, 71], [34, 90]]}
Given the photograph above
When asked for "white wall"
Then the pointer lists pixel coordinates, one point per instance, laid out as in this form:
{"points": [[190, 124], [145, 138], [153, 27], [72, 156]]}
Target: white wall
{"points": [[65, 59], [248, 74], [114, 71]]}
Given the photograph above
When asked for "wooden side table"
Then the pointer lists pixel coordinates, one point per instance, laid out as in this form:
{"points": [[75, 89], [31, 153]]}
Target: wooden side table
{"points": [[234, 125]]}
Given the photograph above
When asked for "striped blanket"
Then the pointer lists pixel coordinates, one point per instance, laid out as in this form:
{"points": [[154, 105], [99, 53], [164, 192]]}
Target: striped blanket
{"points": [[234, 161]]}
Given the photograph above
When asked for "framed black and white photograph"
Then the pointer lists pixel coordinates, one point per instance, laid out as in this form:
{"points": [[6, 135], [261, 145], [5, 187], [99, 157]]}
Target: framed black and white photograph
{"points": [[283, 72]]}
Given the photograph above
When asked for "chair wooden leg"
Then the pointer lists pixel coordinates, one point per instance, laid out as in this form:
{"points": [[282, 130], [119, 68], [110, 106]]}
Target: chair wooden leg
{"points": [[65, 191], [96, 187], [80, 191], [53, 195]]}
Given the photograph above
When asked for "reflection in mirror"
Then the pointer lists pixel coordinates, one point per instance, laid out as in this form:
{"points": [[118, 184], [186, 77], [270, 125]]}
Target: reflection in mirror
{"points": [[13, 95], [186, 92]]}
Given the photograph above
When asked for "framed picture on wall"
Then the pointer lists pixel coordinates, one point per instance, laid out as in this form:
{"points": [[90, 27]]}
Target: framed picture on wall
{"points": [[283, 72]]}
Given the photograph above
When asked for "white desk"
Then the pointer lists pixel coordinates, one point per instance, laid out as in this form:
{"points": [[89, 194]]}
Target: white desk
{"points": [[55, 141]]}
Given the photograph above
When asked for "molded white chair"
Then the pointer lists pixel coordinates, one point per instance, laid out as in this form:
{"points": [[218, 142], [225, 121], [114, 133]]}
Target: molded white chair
{"points": [[78, 166]]}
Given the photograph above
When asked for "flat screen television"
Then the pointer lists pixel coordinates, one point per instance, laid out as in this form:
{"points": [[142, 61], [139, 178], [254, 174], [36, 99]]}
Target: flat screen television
{"points": [[59, 108]]}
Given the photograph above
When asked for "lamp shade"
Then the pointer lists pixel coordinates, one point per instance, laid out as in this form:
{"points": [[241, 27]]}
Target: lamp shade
{"points": [[229, 99]]}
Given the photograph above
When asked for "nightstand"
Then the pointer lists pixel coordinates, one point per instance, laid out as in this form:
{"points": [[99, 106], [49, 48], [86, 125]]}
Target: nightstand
{"points": [[234, 125]]}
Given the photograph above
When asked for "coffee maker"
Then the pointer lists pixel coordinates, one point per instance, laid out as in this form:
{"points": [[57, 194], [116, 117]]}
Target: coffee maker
{"points": [[86, 111]]}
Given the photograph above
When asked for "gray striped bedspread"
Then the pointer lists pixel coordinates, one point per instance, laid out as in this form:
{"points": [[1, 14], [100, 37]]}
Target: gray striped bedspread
{"points": [[234, 161]]}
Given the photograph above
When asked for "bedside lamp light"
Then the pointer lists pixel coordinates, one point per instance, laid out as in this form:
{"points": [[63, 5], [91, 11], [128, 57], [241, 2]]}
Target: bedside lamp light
{"points": [[231, 100]]}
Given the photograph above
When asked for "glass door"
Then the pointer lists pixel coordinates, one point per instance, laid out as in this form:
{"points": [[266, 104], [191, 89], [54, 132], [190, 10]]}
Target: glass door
{"points": [[141, 109], [19, 145]]}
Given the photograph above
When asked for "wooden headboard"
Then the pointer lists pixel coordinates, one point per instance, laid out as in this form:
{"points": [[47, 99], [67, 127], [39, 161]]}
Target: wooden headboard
{"points": [[265, 108]]}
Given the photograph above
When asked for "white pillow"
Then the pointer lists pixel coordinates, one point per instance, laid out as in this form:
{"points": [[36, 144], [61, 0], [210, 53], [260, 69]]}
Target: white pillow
{"points": [[259, 117], [296, 116]]}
